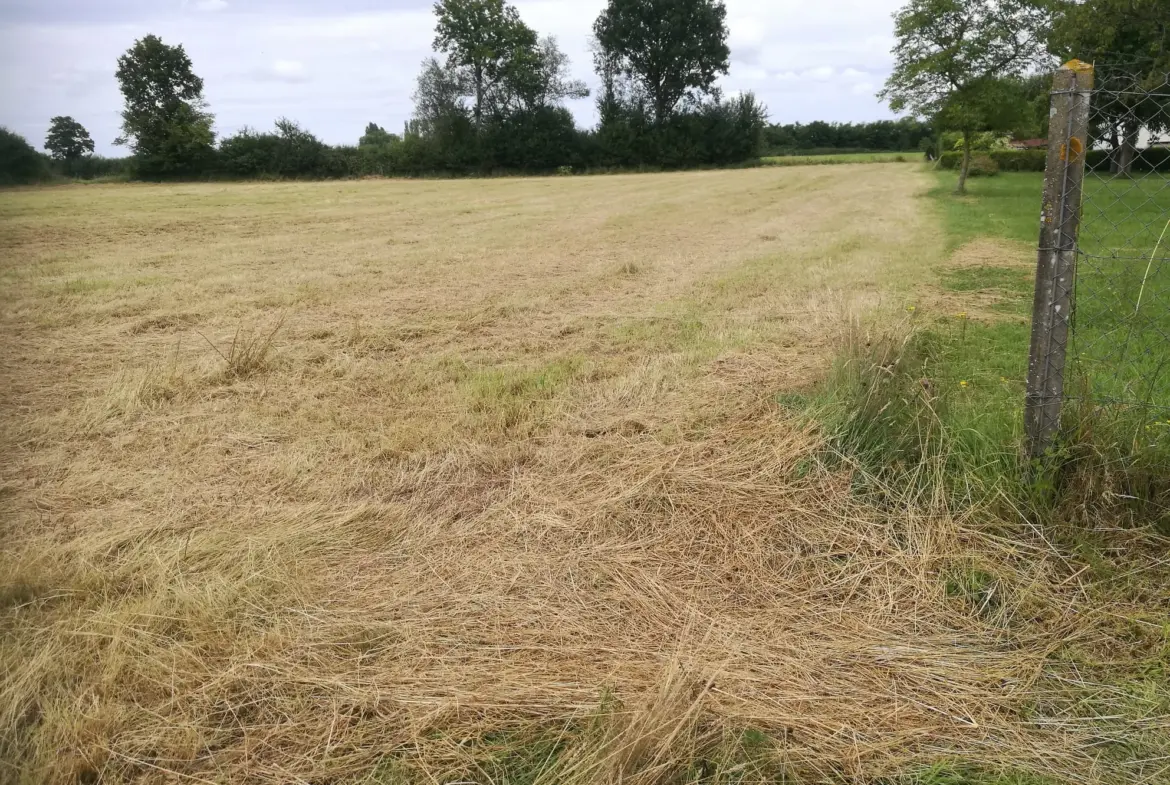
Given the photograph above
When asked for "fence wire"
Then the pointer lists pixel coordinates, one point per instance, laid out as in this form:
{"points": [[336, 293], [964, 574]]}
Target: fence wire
{"points": [[1120, 343]]}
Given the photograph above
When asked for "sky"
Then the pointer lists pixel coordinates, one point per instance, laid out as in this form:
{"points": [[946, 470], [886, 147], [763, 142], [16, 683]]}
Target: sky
{"points": [[336, 65]]}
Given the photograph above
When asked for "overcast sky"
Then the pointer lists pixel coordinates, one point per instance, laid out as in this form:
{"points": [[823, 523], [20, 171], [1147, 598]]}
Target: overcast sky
{"points": [[335, 65]]}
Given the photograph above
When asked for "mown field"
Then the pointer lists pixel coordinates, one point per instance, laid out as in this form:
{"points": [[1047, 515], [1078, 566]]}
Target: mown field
{"points": [[501, 482]]}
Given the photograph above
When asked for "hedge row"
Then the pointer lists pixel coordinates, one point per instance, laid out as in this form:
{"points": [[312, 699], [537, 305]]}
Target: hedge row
{"points": [[1008, 160], [1153, 159]]}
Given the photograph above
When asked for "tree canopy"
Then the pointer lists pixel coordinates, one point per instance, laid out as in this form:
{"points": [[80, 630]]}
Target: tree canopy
{"points": [[1130, 42], [952, 58], [164, 119], [67, 139], [376, 135], [19, 162], [484, 36], [666, 48]]}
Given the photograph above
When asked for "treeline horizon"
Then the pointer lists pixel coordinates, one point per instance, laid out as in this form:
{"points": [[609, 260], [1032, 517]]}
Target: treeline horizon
{"points": [[490, 100], [492, 97], [373, 154]]}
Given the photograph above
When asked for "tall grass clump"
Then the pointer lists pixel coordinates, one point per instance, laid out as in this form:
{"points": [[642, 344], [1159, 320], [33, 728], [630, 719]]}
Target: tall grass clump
{"points": [[899, 409], [1114, 462], [895, 411], [250, 351]]}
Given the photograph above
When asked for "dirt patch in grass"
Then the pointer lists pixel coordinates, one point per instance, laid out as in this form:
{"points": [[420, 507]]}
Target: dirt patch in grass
{"points": [[510, 479], [986, 279]]}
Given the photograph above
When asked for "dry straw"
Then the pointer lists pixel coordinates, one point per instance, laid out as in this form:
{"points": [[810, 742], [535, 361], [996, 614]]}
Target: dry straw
{"points": [[488, 495]]}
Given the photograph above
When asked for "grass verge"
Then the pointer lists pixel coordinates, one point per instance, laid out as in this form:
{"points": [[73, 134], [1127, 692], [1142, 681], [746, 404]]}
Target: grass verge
{"points": [[947, 384], [931, 409]]}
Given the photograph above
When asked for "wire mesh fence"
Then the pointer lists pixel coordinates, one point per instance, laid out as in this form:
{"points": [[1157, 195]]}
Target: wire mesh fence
{"points": [[1121, 323], [1101, 322]]}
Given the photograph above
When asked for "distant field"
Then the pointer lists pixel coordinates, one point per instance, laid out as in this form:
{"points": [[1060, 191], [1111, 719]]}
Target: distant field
{"points": [[841, 158], [486, 481]]}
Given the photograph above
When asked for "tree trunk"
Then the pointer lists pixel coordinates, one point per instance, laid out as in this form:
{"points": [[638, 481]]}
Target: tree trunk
{"points": [[478, 96], [966, 167], [1128, 149], [1115, 152]]}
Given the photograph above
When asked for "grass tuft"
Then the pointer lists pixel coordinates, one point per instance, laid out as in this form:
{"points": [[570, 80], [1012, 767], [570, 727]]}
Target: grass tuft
{"points": [[250, 351]]}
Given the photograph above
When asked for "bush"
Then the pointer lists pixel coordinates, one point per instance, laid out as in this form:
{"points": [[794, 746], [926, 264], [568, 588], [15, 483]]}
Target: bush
{"points": [[1005, 160], [539, 140], [182, 149], [291, 152], [20, 164], [713, 133], [93, 167], [983, 166], [1153, 159]]}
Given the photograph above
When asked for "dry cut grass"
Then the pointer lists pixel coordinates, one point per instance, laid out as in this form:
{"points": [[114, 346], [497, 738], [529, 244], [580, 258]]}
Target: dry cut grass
{"points": [[399, 482]]}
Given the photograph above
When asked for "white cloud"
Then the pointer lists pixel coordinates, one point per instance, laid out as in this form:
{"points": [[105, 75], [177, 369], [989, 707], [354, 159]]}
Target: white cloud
{"points": [[210, 5], [749, 73], [291, 71]]}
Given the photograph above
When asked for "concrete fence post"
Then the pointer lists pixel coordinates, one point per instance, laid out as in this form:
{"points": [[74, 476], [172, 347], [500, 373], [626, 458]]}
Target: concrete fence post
{"points": [[1064, 174]]}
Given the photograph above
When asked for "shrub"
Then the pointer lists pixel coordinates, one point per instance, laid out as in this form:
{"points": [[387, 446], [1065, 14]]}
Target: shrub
{"points": [[20, 164], [1006, 160], [93, 167], [291, 152], [983, 166], [536, 140], [1153, 159], [710, 133]]}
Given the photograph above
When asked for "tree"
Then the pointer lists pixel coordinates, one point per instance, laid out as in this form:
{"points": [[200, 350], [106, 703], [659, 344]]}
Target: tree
{"points": [[535, 78], [442, 132], [1134, 34], [667, 48], [20, 164], [376, 135], [952, 57], [483, 36], [438, 96], [68, 140], [164, 120]]}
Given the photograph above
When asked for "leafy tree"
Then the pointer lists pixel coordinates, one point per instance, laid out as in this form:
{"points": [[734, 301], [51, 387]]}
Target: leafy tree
{"points": [[376, 135], [20, 164], [667, 48], [1134, 35], [438, 96], [536, 77], [442, 132], [68, 140], [952, 57], [164, 120], [484, 37]]}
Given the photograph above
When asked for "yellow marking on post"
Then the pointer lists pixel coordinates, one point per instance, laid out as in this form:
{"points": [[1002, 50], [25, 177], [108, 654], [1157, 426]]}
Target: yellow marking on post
{"points": [[1077, 147]]}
